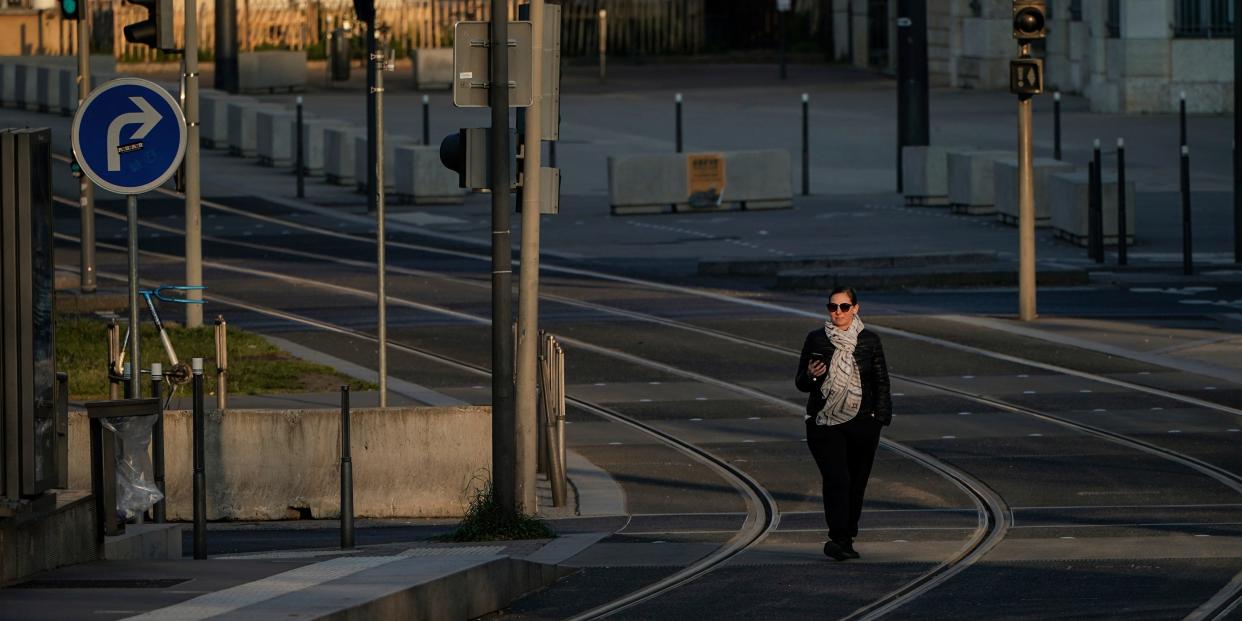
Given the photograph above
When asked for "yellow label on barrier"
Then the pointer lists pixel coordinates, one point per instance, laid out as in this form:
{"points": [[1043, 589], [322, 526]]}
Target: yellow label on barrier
{"points": [[706, 178]]}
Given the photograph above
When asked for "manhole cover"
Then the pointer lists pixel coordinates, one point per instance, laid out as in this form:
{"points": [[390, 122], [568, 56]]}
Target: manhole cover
{"points": [[155, 583]]}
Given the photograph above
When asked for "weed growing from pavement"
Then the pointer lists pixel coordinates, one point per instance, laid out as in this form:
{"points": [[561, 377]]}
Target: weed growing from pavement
{"points": [[486, 520]]}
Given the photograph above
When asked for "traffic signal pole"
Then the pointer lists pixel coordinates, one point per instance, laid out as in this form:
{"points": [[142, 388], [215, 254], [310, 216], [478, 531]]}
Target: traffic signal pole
{"points": [[526, 424], [193, 187], [1026, 207], [504, 455], [226, 46], [86, 189], [913, 114]]}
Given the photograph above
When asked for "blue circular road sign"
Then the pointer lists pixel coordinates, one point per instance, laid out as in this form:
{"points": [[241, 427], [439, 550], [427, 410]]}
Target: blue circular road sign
{"points": [[129, 135]]}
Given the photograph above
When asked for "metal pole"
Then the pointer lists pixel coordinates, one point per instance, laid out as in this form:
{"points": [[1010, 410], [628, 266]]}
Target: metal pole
{"points": [[552, 153], [200, 459], [86, 189], [226, 46], [159, 512], [1097, 204], [504, 457], [193, 185], [299, 161], [526, 426], [603, 44], [1237, 131], [677, 124], [131, 209], [347, 476], [375, 192], [913, 116], [1188, 260], [426, 120], [784, 27], [1181, 124], [114, 360], [222, 363], [1121, 201], [806, 145], [1056, 125], [1026, 207]]}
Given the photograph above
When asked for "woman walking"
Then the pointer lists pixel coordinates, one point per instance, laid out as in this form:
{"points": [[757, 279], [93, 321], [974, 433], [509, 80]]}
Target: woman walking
{"points": [[843, 368]]}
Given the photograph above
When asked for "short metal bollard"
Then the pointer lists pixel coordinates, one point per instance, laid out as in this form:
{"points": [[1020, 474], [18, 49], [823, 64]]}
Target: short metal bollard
{"points": [[347, 476], [222, 363], [159, 512], [1056, 125], [1188, 261], [1121, 201], [1181, 122], [677, 113], [426, 120], [299, 161], [200, 458], [103, 458], [806, 144], [1096, 206]]}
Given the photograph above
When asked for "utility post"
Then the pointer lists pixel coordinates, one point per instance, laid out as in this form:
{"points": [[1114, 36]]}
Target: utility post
{"points": [[782, 11], [1237, 131], [913, 117], [1026, 79], [504, 455], [525, 424], [77, 10], [227, 78], [193, 187]]}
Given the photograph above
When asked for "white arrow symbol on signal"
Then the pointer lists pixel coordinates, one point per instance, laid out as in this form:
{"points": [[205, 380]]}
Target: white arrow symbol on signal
{"points": [[149, 119]]}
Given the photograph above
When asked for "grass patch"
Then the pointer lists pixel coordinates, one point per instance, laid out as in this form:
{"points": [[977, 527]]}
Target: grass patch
{"points": [[486, 521], [255, 365]]}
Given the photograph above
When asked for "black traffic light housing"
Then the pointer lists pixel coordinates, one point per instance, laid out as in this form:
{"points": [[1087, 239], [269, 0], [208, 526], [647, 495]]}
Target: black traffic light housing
{"points": [[467, 153], [71, 9], [1030, 19], [157, 31]]}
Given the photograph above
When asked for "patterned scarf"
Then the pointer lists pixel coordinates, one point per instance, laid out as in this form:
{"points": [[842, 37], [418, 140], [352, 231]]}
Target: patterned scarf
{"points": [[842, 389]]}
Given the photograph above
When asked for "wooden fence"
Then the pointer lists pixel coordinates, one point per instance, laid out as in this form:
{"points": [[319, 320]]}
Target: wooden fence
{"points": [[644, 26]]}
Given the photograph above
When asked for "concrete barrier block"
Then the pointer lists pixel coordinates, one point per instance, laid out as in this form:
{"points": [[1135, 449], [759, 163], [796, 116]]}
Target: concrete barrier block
{"points": [[213, 118], [275, 139], [652, 181], [759, 179], [417, 462], [271, 71], [26, 92], [361, 175], [422, 179], [1005, 177], [243, 122], [338, 154], [68, 91], [1069, 196], [313, 145], [47, 87], [972, 188], [925, 174], [433, 68]]}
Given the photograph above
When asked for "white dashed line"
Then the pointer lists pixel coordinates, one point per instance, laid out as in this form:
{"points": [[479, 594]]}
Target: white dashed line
{"points": [[695, 420], [948, 437]]}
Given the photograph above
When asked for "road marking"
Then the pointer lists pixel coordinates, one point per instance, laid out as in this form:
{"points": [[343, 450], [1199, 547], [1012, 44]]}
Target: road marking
{"points": [[948, 437]]}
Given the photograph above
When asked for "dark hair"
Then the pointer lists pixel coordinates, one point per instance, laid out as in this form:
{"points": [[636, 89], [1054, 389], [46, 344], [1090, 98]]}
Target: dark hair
{"points": [[847, 291]]}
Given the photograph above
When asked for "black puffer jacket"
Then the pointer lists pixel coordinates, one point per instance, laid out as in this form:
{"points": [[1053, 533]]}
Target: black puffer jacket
{"points": [[877, 402]]}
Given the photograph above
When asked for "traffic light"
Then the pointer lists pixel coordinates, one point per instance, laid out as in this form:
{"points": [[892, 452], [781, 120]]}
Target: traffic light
{"points": [[468, 154], [157, 30], [1030, 19], [70, 9]]}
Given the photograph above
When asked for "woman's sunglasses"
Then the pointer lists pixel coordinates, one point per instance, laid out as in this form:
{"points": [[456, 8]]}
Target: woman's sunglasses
{"points": [[845, 308]]}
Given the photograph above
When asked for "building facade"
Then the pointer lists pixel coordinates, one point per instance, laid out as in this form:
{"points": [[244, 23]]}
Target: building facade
{"points": [[1127, 56]]}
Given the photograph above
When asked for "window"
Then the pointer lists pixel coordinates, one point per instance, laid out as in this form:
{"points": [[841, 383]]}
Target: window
{"points": [[1113, 22], [1203, 19], [1075, 10]]}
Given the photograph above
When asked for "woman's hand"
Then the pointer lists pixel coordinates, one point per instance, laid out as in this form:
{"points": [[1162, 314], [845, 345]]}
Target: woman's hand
{"points": [[816, 368]]}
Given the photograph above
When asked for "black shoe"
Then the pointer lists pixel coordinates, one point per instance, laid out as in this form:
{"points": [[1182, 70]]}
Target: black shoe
{"points": [[849, 550], [835, 551]]}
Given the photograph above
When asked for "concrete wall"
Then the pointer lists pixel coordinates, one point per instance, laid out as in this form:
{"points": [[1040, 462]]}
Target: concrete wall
{"points": [[408, 462], [64, 537]]}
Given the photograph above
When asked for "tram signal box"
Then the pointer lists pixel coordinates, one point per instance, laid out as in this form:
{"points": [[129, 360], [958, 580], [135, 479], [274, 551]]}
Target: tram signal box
{"points": [[1030, 20], [1026, 76]]}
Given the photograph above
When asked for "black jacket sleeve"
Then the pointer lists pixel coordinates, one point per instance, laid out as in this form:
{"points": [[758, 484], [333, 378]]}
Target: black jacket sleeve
{"points": [[803, 380], [883, 396]]}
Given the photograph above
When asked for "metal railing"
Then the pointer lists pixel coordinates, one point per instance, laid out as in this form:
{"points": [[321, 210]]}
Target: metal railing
{"points": [[552, 415]]}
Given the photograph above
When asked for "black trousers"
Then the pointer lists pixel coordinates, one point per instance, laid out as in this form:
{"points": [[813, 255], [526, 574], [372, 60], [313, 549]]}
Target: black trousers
{"points": [[844, 454]]}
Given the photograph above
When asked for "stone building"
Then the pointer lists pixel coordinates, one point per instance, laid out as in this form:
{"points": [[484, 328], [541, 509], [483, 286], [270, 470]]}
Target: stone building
{"points": [[1129, 56]]}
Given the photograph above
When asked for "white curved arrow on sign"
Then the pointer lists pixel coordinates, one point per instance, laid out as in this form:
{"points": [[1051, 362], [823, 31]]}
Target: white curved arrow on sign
{"points": [[149, 119]]}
